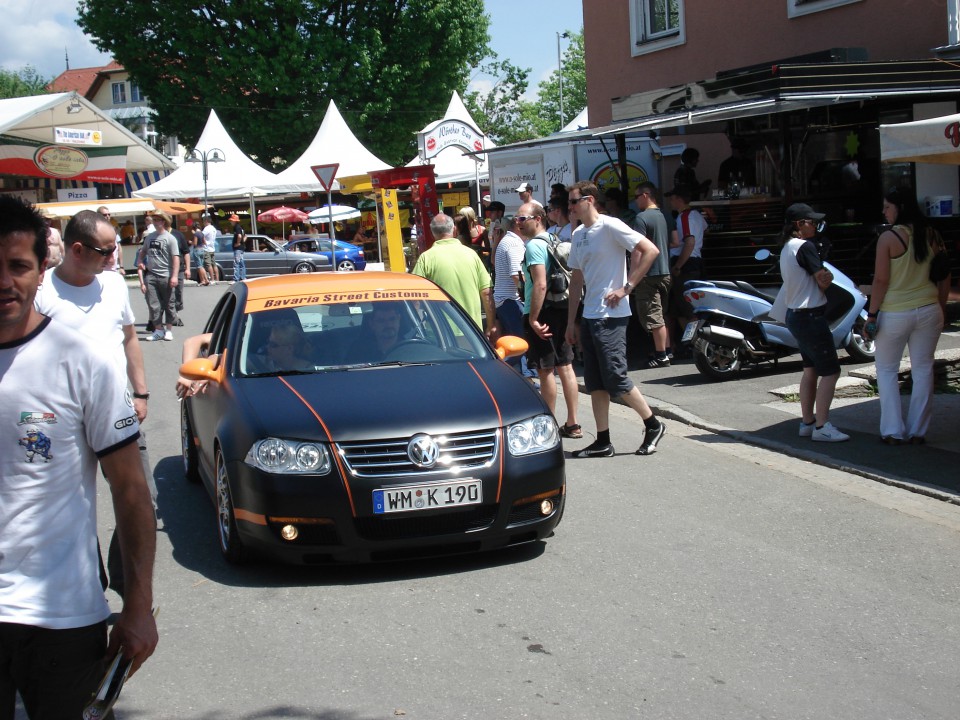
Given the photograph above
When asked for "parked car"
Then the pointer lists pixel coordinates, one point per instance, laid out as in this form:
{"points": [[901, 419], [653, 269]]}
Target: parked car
{"points": [[265, 256], [352, 417], [349, 256]]}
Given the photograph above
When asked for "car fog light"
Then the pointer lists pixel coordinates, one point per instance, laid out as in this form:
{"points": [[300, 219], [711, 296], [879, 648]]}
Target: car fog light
{"points": [[546, 507], [289, 532]]}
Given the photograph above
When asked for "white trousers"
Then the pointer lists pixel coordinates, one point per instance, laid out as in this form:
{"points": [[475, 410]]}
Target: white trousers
{"points": [[918, 329]]}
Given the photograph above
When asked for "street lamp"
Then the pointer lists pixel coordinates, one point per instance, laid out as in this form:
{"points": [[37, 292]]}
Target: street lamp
{"points": [[566, 36], [214, 155]]}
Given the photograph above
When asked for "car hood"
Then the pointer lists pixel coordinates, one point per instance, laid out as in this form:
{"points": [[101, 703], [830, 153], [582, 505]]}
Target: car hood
{"points": [[389, 402]]}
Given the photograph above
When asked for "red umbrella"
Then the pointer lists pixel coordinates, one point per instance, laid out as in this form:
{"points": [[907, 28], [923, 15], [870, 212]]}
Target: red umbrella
{"points": [[282, 215]]}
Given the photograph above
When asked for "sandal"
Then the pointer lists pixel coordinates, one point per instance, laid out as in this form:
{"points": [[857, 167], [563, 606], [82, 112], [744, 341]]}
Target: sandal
{"points": [[571, 431]]}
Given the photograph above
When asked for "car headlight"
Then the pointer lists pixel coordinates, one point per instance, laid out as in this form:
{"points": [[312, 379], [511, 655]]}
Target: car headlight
{"points": [[532, 436], [276, 455]]}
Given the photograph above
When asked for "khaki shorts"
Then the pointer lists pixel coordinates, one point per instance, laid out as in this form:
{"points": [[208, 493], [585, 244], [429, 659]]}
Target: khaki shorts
{"points": [[650, 301]]}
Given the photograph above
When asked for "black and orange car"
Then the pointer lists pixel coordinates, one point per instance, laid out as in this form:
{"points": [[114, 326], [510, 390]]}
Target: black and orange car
{"points": [[364, 417]]}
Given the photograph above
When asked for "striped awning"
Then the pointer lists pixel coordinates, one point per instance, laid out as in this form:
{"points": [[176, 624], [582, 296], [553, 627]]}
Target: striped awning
{"points": [[140, 180]]}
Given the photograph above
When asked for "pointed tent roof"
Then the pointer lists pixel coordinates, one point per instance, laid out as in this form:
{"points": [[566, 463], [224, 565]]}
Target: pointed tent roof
{"points": [[34, 118], [451, 165], [333, 143], [580, 122], [237, 176]]}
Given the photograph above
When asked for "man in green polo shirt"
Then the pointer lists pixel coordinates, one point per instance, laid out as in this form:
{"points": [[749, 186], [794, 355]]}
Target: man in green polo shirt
{"points": [[459, 271]]}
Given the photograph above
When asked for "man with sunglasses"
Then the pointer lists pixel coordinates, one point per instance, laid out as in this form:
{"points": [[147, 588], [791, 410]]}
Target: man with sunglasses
{"points": [[159, 271], [599, 264], [96, 304]]}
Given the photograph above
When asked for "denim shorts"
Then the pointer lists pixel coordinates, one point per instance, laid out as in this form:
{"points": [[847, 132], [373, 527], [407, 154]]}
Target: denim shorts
{"points": [[604, 343], [812, 332]]}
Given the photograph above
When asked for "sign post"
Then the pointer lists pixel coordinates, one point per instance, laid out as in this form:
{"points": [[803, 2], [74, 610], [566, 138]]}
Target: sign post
{"points": [[325, 174]]}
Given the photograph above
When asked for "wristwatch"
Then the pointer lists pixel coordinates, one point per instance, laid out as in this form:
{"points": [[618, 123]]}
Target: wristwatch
{"points": [[628, 286]]}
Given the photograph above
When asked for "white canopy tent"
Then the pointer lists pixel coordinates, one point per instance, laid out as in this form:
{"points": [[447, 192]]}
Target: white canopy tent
{"points": [[451, 165], [236, 176], [934, 140], [35, 117], [580, 122], [333, 143]]}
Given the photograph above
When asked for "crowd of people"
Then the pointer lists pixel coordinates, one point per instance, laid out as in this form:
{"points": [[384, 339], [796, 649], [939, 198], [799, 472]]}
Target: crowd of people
{"points": [[63, 301]]}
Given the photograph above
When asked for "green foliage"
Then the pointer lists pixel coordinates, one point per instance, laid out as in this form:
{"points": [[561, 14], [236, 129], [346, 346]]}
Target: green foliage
{"points": [[270, 67], [22, 83], [504, 113]]}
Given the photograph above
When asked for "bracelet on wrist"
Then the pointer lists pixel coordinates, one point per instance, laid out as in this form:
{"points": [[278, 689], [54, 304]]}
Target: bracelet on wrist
{"points": [[142, 396], [871, 315]]}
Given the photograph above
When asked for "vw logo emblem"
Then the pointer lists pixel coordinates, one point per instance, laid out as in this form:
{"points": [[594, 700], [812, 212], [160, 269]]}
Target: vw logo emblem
{"points": [[423, 451]]}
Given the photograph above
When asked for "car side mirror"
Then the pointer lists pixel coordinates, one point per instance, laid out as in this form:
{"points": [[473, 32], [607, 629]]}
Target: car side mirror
{"points": [[511, 346], [208, 368]]}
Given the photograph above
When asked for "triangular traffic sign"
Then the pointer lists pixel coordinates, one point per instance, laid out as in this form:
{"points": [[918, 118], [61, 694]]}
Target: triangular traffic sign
{"points": [[325, 174]]}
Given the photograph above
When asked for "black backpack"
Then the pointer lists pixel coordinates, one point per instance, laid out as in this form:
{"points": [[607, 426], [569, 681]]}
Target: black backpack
{"points": [[558, 274]]}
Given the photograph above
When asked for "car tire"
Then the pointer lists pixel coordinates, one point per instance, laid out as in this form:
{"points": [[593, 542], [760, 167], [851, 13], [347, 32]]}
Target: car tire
{"points": [[303, 267], [230, 544], [346, 266], [191, 460]]}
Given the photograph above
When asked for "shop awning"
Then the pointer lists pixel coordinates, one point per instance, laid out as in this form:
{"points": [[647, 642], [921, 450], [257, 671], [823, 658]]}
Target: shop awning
{"points": [[934, 140], [119, 208]]}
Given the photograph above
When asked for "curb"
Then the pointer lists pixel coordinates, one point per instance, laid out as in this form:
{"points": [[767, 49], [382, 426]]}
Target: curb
{"points": [[674, 412]]}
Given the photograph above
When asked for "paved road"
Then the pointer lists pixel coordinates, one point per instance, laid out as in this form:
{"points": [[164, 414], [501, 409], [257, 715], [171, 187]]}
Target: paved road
{"points": [[713, 579]]}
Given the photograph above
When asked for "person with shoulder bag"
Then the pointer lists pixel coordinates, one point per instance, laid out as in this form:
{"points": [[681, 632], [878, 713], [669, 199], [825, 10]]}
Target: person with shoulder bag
{"points": [[907, 307]]}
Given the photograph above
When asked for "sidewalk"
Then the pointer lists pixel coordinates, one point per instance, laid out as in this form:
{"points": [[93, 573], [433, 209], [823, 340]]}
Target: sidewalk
{"points": [[761, 408]]}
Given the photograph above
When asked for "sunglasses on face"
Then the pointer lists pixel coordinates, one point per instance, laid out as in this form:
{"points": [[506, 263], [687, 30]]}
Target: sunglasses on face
{"points": [[524, 218], [102, 252], [574, 201]]}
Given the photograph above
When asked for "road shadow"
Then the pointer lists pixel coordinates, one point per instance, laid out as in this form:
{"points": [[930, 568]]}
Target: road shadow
{"points": [[276, 711], [189, 521]]}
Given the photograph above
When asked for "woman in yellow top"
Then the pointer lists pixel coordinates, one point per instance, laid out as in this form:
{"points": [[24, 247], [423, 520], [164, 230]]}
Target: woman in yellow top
{"points": [[906, 309]]}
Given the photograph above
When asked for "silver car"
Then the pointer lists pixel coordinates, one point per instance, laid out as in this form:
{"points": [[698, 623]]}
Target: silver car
{"points": [[265, 256]]}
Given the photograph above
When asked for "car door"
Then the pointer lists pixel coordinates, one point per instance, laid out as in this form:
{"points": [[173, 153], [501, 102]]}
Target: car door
{"points": [[224, 255], [208, 407], [271, 262]]}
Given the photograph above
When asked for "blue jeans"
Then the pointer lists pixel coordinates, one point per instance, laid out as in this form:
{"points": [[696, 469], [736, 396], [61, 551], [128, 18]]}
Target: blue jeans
{"points": [[239, 266], [510, 316]]}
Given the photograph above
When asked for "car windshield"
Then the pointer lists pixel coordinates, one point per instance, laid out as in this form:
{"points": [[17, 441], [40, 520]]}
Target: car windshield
{"points": [[357, 336]]}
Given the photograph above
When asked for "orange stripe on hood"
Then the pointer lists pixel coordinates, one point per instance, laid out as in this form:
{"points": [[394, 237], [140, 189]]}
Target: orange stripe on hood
{"points": [[499, 425]]}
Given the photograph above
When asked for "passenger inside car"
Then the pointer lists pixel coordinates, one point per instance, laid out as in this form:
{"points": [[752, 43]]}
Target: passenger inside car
{"points": [[287, 350]]}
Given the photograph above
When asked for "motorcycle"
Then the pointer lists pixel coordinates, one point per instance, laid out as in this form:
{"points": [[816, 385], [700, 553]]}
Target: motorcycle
{"points": [[733, 327]]}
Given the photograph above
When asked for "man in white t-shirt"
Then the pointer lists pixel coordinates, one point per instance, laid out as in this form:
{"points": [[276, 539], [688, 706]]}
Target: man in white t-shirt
{"points": [[78, 293], [598, 262], [525, 190], [209, 248], [63, 410], [507, 262]]}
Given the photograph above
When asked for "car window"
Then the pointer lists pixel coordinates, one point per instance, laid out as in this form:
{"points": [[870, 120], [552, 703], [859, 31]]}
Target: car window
{"points": [[341, 336]]}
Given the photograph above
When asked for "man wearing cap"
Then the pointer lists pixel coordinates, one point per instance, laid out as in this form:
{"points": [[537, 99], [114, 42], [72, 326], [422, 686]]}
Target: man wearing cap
{"points": [[526, 194], [804, 280], [239, 240], [685, 256], [497, 226], [159, 269]]}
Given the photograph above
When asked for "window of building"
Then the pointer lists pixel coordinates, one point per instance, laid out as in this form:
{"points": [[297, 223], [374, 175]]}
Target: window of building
{"points": [[796, 8], [656, 24], [135, 94], [119, 93]]}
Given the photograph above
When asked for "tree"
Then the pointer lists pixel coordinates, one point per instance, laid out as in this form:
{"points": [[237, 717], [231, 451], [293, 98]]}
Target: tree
{"points": [[574, 87], [504, 113], [22, 83], [270, 67]]}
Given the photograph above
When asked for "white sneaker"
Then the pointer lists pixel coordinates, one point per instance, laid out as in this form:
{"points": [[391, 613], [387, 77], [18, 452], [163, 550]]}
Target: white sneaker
{"points": [[828, 433], [806, 430], [168, 335], [157, 335]]}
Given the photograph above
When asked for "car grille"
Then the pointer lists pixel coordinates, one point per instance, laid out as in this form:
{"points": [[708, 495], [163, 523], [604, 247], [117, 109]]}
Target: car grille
{"points": [[388, 458], [401, 528]]}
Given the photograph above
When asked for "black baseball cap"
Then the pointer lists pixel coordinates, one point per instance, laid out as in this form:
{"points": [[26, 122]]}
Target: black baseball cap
{"points": [[802, 211], [497, 205]]}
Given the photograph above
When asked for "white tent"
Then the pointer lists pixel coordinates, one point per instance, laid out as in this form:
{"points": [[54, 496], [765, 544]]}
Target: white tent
{"points": [[934, 140], [580, 122], [34, 118], [237, 176], [451, 165], [333, 143]]}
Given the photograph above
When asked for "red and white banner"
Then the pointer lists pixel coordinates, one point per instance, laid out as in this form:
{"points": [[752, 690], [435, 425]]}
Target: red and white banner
{"points": [[19, 156]]}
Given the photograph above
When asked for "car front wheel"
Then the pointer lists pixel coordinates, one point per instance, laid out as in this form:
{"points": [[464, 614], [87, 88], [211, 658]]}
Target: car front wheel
{"points": [[230, 544]]}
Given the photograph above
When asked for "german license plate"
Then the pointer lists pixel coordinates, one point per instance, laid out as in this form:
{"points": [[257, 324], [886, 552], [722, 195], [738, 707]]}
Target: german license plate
{"points": [[690, 331], [427, 496]]}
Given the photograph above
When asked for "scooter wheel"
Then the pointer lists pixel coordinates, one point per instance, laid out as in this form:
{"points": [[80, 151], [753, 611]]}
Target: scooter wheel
{"points": [[715, 362]]}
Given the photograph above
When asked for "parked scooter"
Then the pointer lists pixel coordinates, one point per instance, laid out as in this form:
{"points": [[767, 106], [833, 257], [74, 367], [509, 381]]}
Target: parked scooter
{"points": [[733, 327]]}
